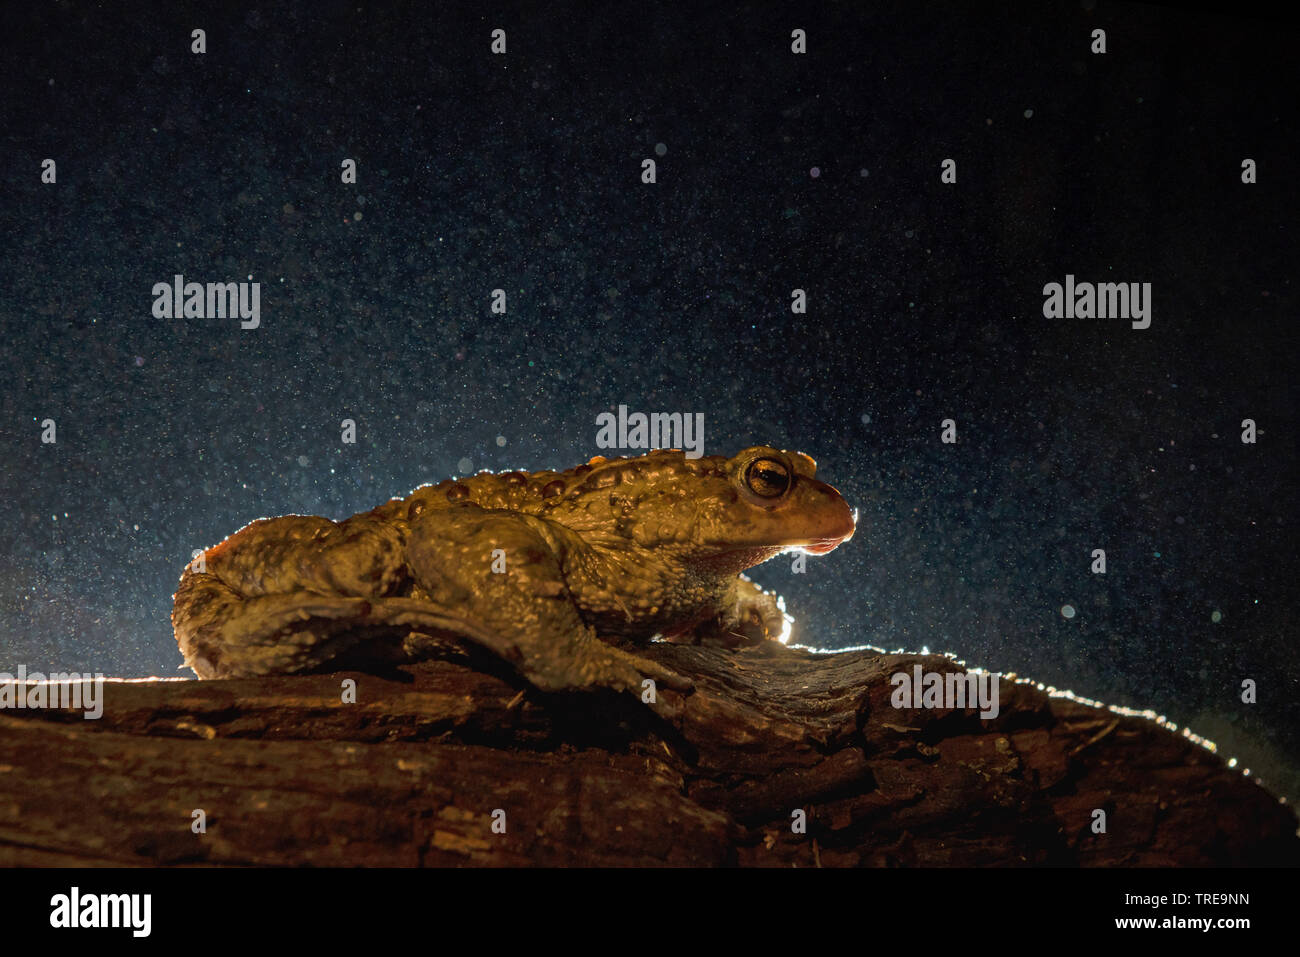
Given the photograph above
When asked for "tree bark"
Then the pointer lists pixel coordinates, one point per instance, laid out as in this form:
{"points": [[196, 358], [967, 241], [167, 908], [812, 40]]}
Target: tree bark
{"points": [[285, 773]]}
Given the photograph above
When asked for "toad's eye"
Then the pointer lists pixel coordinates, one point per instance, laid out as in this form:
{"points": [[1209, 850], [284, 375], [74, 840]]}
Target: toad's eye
{"points": [[768, 478]]}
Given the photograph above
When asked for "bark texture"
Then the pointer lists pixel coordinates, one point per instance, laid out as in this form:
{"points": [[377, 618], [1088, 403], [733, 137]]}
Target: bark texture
{"points": [[287, 774]]}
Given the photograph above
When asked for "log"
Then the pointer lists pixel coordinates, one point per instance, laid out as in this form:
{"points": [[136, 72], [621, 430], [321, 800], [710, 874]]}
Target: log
{"points": [[416, 771]]}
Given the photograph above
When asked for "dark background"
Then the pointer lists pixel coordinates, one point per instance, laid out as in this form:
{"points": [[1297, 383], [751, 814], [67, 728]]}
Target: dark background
{"points": [[523, 172]]}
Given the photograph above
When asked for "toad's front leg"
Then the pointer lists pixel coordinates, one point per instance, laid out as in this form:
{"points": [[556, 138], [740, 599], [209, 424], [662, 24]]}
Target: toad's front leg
{"points": [[749, 615]]}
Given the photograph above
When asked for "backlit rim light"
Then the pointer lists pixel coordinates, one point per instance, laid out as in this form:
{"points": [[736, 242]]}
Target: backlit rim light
{"points": [[1054, 692]]}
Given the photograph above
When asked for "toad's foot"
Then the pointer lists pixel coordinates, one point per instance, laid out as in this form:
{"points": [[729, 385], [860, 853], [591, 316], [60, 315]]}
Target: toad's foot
{"points": [[586, 661], [751, 616]]}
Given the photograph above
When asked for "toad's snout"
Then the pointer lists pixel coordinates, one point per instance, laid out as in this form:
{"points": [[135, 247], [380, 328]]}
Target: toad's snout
{"points": [[834, 522]]}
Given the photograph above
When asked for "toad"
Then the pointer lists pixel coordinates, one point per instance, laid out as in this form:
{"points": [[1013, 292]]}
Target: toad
{"points": [[553, 572]]}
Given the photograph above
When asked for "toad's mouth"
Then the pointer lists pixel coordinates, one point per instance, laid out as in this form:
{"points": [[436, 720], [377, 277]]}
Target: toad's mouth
{"points": [[828, 543], [823, 546], [756, 555]]}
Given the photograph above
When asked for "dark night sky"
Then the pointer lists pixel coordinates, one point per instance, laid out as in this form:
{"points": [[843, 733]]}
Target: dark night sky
{"points": [[522, 172]]}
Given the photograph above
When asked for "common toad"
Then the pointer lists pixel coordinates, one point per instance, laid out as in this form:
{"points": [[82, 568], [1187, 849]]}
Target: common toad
{"points": [[532, 566]]}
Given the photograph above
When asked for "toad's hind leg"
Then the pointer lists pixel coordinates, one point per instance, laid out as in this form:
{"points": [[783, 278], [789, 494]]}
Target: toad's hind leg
{"points": [[504, 574]]}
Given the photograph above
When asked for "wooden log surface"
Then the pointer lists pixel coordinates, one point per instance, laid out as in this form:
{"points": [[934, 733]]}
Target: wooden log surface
{"points": [[412, 773]]}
